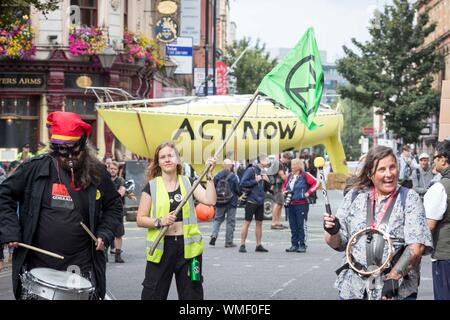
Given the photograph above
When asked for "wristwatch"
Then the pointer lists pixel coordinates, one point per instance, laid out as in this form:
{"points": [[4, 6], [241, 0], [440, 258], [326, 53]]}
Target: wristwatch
{"points": [[157, 223], [208, 177]]}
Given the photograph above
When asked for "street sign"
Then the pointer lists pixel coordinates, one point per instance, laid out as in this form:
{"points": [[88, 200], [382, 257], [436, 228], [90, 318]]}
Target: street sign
{"points": [[190, 20], [180, 52], [368, 131]]}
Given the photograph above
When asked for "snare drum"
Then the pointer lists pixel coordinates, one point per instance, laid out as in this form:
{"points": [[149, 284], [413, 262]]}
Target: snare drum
{"points": [[50, 284]]}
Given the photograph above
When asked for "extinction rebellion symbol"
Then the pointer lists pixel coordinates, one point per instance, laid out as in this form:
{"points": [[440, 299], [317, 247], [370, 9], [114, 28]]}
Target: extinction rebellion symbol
{"points": [[298, 85]]}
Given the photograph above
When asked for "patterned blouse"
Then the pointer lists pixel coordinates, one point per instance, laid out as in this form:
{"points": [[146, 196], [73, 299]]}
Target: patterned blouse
{"points": [[406, 226]]}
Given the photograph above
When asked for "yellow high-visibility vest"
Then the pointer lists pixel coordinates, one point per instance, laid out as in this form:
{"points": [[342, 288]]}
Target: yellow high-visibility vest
{"points": [[193, 242]]}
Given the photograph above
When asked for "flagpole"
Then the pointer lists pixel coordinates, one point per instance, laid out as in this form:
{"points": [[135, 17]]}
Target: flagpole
{"points": [[204, 172]]}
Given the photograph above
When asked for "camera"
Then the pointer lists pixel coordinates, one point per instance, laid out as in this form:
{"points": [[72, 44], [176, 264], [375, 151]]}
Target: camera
{"points": [[242, 200], [287, 198]]}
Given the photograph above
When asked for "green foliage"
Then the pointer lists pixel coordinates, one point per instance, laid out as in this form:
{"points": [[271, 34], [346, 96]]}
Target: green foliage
{"points": [[394, 71], [11, 9], [252, 67], [356, 117]]}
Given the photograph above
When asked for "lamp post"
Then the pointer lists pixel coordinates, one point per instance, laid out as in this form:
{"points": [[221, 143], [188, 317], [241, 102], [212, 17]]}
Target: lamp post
{"points": [[206, 46], [107, 58], [214, 17]]}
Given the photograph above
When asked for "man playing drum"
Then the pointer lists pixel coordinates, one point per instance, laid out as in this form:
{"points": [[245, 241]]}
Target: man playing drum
{"points": [[377, 202], [55, 193]]}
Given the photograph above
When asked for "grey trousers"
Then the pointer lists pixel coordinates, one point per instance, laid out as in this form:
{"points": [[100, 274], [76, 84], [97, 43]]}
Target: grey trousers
{"points": [[219, 217]]}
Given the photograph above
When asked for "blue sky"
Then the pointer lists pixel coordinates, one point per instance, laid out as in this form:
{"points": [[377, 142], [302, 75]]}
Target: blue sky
{"points": [[281, 23]]}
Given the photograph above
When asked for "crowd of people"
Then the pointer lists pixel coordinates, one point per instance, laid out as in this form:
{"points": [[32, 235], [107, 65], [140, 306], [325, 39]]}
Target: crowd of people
{"points": [[46, 198]]}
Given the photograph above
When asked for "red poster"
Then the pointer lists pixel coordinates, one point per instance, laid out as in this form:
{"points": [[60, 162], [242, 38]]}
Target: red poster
{"points": [[221, 78]]}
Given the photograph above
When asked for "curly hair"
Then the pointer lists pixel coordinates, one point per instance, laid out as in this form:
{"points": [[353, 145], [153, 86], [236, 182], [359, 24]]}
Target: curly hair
{"points": [[154, 169]]}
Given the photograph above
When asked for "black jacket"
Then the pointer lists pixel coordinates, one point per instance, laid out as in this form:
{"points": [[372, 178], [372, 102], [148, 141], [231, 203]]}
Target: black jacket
{"points": [[26, 187]]}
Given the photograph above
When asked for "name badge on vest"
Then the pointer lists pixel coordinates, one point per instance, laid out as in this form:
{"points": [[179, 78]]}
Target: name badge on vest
{"points": [[61, 197]]}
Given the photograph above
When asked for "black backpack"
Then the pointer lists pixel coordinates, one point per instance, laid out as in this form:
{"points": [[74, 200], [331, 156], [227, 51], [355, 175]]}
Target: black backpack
{"points": [[223, 190]]}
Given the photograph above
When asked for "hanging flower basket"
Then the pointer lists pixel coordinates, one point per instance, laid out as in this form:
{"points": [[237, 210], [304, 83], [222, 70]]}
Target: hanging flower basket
{"points": [[86, 41], [142, 50], [16, 39]]}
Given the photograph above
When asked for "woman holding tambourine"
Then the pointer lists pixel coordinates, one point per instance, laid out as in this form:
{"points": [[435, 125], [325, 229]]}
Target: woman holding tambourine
{"points": [[382, 227]]}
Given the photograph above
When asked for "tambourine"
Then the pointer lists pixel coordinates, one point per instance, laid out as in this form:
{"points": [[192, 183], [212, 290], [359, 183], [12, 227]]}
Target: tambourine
{"points": [[356, 237]]}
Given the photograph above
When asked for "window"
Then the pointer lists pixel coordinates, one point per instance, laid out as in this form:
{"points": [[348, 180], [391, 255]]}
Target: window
{"points": [[85, 107], [88, 11], [125, 15], [19, 122], [330, 84], [19, 108]]}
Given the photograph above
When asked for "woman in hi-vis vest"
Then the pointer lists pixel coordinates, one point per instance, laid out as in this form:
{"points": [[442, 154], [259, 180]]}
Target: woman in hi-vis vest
{"points": [[180, 250]]}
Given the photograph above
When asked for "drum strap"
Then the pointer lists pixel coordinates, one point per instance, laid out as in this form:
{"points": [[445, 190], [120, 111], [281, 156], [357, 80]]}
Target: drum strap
{"points": [[375, 242]]}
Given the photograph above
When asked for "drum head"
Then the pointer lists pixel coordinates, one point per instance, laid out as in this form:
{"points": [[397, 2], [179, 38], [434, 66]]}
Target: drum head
{"points": [[62, 279]]}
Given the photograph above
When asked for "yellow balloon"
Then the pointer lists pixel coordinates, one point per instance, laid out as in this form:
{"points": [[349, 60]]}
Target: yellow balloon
{"points": [[319, 162], [198, 126]]}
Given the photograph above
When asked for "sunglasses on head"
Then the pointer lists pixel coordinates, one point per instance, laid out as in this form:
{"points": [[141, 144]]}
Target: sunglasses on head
{"points": [[437, 156]]}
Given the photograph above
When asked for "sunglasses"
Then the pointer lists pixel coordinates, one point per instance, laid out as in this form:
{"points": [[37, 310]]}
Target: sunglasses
{"points": [[65, 151]]}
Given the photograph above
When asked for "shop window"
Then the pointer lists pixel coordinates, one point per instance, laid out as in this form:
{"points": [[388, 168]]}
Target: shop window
{"points": [[15, 133], [19, 107], [88, 11], [85, 107], [19, 122]]}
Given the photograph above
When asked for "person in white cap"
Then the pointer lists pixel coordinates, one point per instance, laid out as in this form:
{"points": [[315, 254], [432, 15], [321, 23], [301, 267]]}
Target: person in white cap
{"points": [[423, 175]]}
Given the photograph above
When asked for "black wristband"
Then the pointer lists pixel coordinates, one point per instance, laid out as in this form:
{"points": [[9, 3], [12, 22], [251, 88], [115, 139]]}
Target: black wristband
{"points": [[335, 229]]}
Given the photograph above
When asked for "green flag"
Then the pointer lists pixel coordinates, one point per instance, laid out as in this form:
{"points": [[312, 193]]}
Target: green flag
{"points": [[297, 82]]}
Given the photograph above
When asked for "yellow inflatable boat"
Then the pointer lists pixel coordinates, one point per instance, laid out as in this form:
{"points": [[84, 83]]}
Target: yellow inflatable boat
{"points": [[198, 125]]}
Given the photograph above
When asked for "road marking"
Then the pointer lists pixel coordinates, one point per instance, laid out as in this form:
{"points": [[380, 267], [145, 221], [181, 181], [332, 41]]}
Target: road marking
{"points": [[289, 282], [248, 265], [133, 238], [5, 274], [276, 292], [216, 264], [294, 279], [327, 259], [281, 266]]}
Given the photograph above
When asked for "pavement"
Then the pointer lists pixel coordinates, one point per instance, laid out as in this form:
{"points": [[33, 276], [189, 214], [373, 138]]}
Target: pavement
{"points": [[230, 275]]}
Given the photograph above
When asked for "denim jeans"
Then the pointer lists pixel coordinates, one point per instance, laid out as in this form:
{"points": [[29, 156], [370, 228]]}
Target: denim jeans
{"points": [[219, 217], [441, 279], [296, 214]]}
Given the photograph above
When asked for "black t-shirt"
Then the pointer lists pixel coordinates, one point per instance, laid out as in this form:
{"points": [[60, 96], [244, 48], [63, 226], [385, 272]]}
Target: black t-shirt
{"points": [[59, 229], [278, 181], [118, 182], [175, 198]]}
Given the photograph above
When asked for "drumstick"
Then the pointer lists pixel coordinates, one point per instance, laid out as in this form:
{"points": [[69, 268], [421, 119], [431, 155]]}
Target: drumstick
{"points": [[89, 232], [54, 255]]}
